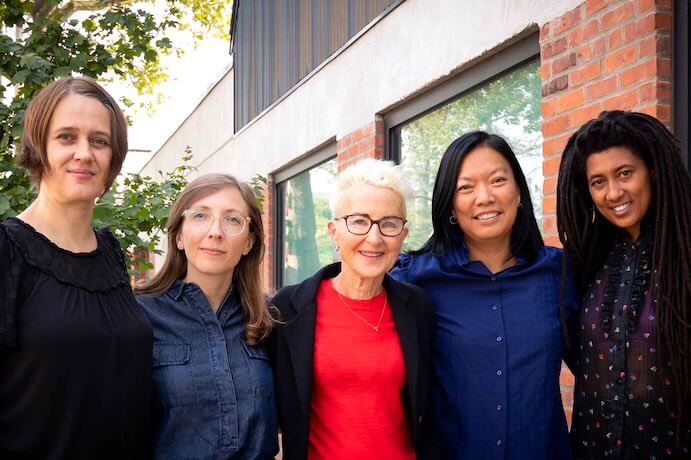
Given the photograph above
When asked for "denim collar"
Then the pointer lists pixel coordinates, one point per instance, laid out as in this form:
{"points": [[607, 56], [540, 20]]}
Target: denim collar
{"points": [[179, 288]]}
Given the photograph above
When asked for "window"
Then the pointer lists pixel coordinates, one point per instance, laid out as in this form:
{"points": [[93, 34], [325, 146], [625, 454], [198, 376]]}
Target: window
{"points": [[508, 104], [303, 242]]}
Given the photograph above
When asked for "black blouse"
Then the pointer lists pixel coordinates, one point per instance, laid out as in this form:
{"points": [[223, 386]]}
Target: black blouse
{"points": [[625, 404], [75, 351]]}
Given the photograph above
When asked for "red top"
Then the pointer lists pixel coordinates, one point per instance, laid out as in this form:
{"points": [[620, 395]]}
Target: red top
{"points": [[358, 382]]}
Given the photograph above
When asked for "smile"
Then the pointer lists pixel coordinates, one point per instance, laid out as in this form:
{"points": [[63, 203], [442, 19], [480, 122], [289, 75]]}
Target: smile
{"points": [[213, 252], [485, 216], [619, 209], [82, 173], [371, 254]]}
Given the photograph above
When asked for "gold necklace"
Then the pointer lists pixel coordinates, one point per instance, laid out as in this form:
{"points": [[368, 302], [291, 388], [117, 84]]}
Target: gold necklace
{"points": [[381, 316]]}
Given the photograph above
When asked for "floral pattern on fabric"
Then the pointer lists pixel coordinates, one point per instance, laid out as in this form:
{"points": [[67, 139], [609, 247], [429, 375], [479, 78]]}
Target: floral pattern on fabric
{"points": [[624, 402]]}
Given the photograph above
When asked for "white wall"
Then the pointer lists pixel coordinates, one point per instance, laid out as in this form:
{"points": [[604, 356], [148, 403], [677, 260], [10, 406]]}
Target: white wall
{"points": [[417, 44]]}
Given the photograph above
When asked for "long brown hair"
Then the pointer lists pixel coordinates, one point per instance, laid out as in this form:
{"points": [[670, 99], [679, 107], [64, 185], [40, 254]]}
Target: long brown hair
{"points": [[247, 274]]}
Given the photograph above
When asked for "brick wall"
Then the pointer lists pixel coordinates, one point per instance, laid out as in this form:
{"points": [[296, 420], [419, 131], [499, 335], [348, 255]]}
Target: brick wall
{"points": [[603, 55], [367, 141], [268, 264]]}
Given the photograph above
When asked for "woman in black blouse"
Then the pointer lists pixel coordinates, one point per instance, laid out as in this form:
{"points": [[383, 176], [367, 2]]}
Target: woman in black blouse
{"points": [[75, 348], [624, 213]]}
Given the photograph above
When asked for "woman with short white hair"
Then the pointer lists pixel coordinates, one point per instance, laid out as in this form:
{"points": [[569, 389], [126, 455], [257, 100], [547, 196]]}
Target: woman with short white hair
{"points": [[351, 356]]}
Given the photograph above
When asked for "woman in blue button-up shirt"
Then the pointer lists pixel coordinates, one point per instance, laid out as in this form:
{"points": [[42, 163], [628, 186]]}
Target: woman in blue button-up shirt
{"points": [[495, 288], [214, 387]]}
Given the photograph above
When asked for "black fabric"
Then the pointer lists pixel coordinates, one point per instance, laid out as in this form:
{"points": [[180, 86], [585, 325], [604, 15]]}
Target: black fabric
{"points": [[625, 404], [75, 351], [291, 350]]}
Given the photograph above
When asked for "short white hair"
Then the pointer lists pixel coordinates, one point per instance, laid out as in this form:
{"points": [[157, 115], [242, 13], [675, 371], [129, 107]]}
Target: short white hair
{"points": [[369, 171]]}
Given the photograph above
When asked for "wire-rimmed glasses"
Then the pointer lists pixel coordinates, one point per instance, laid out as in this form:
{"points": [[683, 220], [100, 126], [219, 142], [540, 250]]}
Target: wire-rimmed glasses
{"points": [[200, 220], [360, 224]]}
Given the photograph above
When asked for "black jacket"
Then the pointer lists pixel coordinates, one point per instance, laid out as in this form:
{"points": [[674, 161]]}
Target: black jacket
{"points": [[292, 347]]}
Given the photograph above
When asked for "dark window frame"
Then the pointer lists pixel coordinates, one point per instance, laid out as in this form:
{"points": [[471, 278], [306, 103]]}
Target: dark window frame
{"points": [[681, 38], [473, 76], [312, 159]]}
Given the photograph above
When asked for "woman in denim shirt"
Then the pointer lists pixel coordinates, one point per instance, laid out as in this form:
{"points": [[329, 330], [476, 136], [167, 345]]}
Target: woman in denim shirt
{"points": [[214, 387]]}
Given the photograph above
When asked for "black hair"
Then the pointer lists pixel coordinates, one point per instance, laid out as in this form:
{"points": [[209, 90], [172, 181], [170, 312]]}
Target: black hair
{"points": [[587, 236], [525, 234]]}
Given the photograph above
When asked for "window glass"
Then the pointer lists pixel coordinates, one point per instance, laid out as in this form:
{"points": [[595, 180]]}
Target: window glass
{"points": [[509, 105], [306, 245]]}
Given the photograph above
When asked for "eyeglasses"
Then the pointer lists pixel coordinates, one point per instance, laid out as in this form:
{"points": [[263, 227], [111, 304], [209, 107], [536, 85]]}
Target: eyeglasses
{"points": [[200, 220], [360, 224]]}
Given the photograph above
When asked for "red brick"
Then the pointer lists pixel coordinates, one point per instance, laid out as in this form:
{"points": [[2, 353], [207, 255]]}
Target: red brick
{"points": [[583, 33], [593, 6], [654, 44], [551, 147], [614, 39], [664, 68], [553, 48], [599, 46], [623, 57], [569, 100], [655, 21], [551, 166], [379, 140], [564, 62], [555, 125], [644, 5], [545, 32], [583, 114], [602, 87], [555, 85], [549, 203], [566, 377], [545, 71], [566, 21], [662, 112], [549, 223], [655, 90], [596, 48], [584, 74], [637, 73], [630, 32], [617, 16], [547, 109], [624, 101], [550, 185]]}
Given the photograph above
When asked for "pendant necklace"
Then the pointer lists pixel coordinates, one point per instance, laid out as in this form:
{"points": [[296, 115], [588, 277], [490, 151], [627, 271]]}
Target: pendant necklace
{"points": [[381, 316]]}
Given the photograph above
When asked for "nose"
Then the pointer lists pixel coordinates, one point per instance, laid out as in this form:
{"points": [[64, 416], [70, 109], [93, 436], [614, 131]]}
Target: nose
{"points": [[484, 194], [614, 192], [215, 230], [374, 236], [82, 150]]}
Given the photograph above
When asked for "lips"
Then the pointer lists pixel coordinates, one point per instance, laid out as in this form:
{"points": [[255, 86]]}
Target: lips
{"points": [[213, 251], [487, 215], [621, 208], [82, 173], [371, 254]]}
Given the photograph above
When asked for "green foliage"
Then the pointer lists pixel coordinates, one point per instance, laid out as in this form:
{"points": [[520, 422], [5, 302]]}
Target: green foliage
{"points": [[137, 209], [258, 185], [43, 40]]}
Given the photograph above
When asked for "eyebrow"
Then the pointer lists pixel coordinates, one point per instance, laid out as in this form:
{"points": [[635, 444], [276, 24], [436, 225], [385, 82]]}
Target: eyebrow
{"points": [[72, 128], [205, 208], [616, 170], [494, 171]]}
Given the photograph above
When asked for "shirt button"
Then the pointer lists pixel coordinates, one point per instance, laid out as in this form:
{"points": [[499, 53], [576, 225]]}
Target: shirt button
{"points": [[498, 406], [498, 372], [498, 339], [494, 307], [494, 278], [499, 442]]}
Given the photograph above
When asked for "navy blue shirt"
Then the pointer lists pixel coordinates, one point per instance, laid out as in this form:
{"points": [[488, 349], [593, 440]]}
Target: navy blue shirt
{"points": [[497, 355], [214, 393]]}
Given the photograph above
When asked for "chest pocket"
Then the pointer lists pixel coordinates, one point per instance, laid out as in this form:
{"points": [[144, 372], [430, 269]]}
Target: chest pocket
{"points": [[260, 370], [173, 377]]}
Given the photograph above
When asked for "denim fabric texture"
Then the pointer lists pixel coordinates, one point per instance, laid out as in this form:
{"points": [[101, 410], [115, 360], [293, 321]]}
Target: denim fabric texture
{"points": [[214, 394]]}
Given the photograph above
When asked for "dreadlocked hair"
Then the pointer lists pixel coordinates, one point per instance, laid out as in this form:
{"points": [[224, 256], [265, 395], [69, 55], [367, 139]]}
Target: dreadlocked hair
{"points": [[587, 237]]}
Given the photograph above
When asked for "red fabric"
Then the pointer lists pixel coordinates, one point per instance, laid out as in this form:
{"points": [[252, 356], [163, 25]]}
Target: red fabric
{"points": [[357, 406]]}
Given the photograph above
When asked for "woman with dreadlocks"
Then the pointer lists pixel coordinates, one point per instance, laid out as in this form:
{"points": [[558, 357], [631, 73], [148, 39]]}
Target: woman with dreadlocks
{"points": [[624, 213]]}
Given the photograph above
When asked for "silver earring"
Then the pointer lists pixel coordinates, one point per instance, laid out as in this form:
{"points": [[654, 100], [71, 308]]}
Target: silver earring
{"points": [[452, 220], [338, 249], [592, 219]]}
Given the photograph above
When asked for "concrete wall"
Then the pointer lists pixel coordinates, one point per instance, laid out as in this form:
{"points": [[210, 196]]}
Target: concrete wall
{"points": [[417, 44]]}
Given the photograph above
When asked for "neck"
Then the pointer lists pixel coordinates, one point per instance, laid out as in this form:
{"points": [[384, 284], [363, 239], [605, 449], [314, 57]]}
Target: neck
{"points": [[215, 288], [496, 255], [68, 226], [353, 286]]}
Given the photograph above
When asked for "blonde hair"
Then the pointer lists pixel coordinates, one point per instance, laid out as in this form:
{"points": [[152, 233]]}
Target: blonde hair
{"points": [[246, 276], [369, 171]]}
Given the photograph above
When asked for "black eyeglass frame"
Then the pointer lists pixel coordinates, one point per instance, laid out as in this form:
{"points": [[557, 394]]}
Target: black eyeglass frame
{"points": [[371, 224]]}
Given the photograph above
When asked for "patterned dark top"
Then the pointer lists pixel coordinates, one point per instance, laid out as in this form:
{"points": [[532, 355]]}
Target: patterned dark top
{"points": [[624, 402]]}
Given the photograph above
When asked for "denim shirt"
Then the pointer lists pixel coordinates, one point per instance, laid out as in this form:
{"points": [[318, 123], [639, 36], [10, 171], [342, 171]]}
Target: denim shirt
{"points": [[214, 393]]}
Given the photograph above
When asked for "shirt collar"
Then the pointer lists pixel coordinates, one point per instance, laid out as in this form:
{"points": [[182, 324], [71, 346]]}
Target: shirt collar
{"points": [[459, 253], [179, 288]]}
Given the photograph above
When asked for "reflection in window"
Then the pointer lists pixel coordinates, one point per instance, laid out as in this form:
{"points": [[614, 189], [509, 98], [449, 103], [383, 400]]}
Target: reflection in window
{"points": [[306, 243], [508, 106]]}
